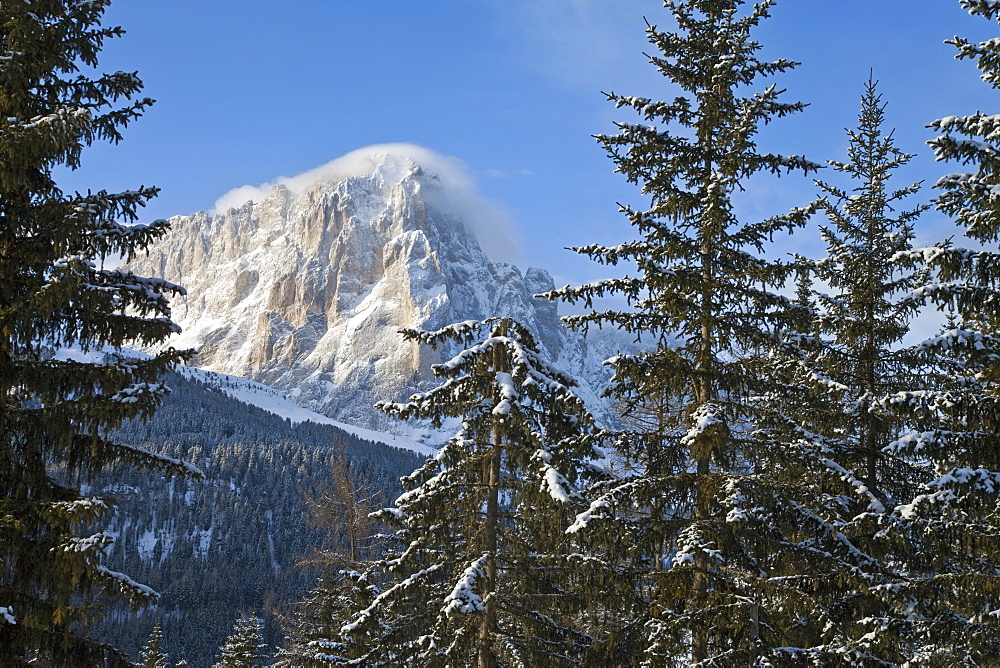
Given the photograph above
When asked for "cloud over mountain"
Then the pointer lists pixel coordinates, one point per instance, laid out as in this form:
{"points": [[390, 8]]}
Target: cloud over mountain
{"points": [[486, 220]]}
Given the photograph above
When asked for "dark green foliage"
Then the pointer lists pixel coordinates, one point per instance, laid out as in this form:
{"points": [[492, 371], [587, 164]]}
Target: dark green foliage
{"points": [[244, 648], [232, 541], [942, 537], [942, 541], [969, 140], [873, 404], [713, 525], [152, 655], [483, 573], [968, 277], [55, 292], [341, 593]]}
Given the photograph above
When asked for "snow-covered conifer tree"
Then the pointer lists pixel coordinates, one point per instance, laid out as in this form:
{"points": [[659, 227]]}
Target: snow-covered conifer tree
{"points": [[969, 197], [942, 541], [945, 535], [152, 655], [483, 571], [841, 405], [55, 292], [874, 295], [708, 528], [316, 638], [245, 647], [349, 577]]}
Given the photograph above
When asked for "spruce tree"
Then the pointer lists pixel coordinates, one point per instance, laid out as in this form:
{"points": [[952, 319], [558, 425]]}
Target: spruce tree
{"points": [[874, 295], [967, 277], [57, 292], [482, 569], [946, 534], [244, 648], [152, 655], [969, 197], [943, 539], [713, 522], [854, 393]]}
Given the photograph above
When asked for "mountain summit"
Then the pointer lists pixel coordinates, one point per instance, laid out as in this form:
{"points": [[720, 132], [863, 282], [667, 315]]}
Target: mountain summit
{"points": [[306, 291]]}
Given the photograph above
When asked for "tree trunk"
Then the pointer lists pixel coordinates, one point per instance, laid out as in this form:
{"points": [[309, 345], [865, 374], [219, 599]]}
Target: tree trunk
{"points": [[704, 393], [754, 632], [487, 658]]}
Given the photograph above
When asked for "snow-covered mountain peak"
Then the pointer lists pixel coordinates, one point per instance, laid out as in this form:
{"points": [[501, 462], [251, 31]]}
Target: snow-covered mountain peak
{"points": [[305, 287], [389, 168], [374, 174]]}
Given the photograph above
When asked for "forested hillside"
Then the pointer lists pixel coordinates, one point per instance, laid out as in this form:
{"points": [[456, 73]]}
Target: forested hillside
{"points": [[228, 544]]}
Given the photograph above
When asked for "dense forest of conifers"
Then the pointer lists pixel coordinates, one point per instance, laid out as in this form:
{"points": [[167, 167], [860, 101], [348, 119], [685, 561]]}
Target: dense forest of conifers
{"points": [[240, 540], [791, 481]]}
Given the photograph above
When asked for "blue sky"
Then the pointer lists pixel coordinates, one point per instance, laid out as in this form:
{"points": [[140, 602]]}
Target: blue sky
{"points": [[248, 91]]}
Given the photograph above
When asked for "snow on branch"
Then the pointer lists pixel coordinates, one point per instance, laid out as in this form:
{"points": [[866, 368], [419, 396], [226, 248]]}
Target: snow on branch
{"points": [[986, 8], [428, 487], [79, 509], [874, 505], [689, 543], [956, 338], [463, 598], [599, 507], [95, 543], [460, 331], [704, 418], [368, 612], [7, 614], [946, 488], [553, 482], [977, 125], [179, 465], [128, 585], [916, 442], [508, 394], [65, 117], [138, 391]]}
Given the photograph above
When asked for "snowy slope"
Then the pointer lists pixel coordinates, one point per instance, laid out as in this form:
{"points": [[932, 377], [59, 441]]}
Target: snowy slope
{"points": [[275, 402], [409, 437]]}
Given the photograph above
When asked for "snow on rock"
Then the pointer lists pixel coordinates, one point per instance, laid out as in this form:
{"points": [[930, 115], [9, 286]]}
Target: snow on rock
{"points": [[306, 291]]}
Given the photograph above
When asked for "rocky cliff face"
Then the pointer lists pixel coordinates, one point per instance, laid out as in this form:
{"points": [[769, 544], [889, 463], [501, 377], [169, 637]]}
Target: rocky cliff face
{"points": [[305, 292]]}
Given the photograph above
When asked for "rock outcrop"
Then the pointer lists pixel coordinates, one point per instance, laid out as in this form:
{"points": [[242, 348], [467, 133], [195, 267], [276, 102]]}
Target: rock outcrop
{"points": [[306, 292]]}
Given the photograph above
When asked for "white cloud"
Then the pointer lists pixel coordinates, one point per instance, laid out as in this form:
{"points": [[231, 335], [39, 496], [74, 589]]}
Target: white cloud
{"points": [[503, 176], [487, 220], [583, 43]]}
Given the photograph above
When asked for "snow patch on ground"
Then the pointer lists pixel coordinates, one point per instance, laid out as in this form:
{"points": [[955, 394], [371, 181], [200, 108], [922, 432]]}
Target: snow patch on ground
{"points": [[7, 614], [277, 403], [413, 437], [407, 437], [146, 544], [205, 541]]}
